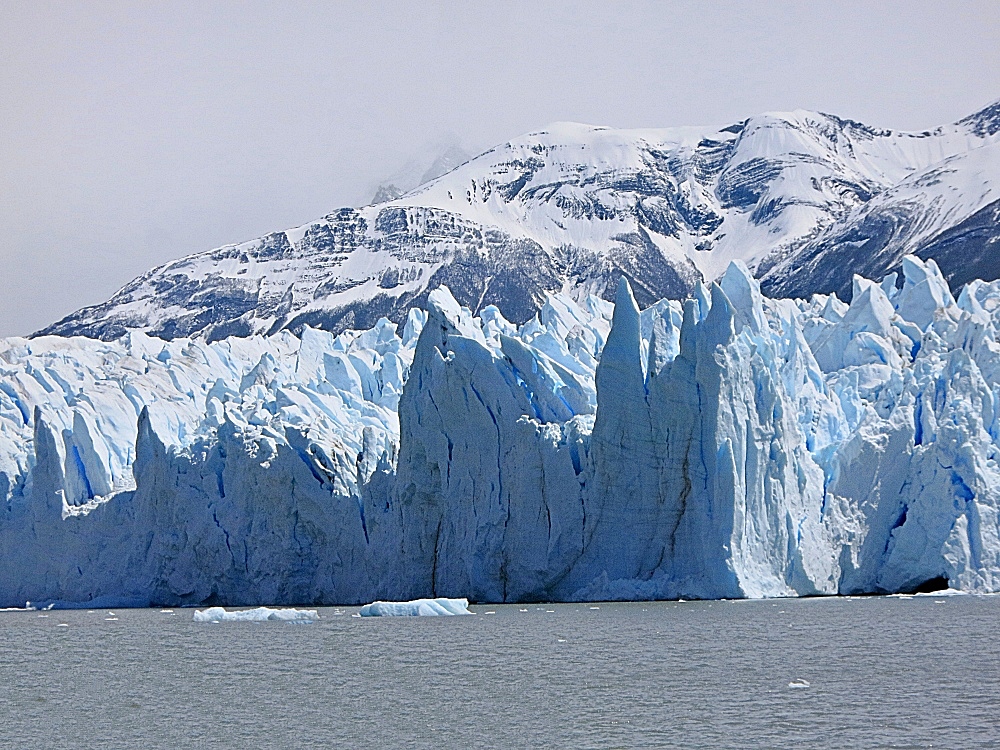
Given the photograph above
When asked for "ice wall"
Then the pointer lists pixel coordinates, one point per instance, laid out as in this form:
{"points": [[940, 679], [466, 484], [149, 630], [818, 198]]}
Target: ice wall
{"points": [[147, 471], [693, 480], [732, 446]]}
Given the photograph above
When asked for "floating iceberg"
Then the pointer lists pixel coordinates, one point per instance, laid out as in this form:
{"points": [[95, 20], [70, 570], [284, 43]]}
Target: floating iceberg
{"points": [[731, 446], [260, 614], [417, 608]]}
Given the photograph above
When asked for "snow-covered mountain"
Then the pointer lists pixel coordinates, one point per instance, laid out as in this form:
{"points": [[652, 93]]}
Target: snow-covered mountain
{"points": [[804, 199], [732, 446]]}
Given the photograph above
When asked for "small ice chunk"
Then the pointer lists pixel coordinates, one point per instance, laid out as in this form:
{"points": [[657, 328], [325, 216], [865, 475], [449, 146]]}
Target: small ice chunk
{"points": [[942, 592], [218, 614], [799, 684], [417, 608]]}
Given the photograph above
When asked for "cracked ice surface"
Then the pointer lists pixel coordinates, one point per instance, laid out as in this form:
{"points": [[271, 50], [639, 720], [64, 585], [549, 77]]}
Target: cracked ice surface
{"points": [[732, 446]]}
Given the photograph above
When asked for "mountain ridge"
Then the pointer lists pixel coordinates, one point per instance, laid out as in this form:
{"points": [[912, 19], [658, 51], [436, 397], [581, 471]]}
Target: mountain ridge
{"points": [[803, 198]]}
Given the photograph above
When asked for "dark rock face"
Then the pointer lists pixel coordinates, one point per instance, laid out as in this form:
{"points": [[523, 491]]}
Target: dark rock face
{"points": [[969, 250], [985, 122], [830, 265], [875, 246], [743, 185]]}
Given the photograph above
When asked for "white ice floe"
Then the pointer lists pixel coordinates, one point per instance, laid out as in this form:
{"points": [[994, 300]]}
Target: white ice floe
{"points": [[417, 608], [260, 614]]}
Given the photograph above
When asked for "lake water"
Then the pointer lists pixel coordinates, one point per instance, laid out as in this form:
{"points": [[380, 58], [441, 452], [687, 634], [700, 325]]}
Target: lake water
{"points": [[883, 672]]}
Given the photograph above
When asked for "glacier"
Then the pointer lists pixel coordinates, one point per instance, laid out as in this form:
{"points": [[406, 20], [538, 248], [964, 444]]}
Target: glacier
{"points": [[727, 446]]}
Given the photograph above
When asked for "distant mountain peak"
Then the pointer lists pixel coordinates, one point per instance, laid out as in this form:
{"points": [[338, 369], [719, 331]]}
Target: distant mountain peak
{"points": [[452, 157], [385, 193], [418, 172]]}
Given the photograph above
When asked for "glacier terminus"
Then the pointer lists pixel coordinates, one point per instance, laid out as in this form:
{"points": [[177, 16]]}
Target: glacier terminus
{"points": [[730, 445]]}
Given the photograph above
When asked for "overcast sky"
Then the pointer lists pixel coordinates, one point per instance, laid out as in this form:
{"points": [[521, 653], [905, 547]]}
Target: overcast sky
{"points": [[131, 134]]}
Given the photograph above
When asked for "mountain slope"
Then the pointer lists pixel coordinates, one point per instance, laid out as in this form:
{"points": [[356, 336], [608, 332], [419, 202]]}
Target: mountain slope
{"points": [[947, 211], [805, 199]]}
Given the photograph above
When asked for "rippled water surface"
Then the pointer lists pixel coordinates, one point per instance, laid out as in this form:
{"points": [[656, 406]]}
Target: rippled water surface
{"points": [[882, 672]]}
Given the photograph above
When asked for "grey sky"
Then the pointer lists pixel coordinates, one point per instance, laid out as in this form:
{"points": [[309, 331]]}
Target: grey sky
{"points": [[131, 134]]}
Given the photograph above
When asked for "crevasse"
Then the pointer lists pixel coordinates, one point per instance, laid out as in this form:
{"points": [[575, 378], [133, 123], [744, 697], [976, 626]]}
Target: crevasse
{"points": [[729, 446]]}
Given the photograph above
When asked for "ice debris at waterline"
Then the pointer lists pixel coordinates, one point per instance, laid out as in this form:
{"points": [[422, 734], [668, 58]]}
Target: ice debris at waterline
{"points": [[730, 446], [260, 614], [417, 608]]}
